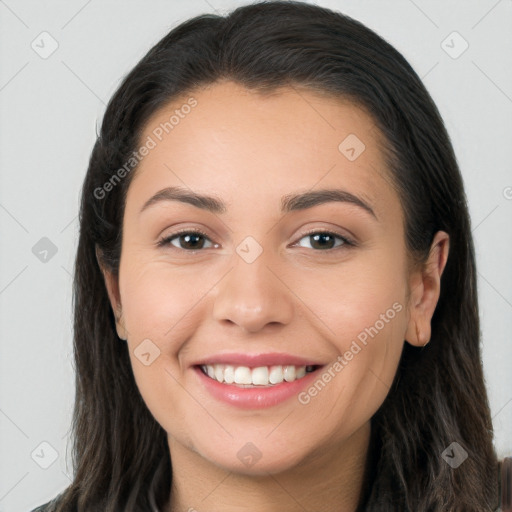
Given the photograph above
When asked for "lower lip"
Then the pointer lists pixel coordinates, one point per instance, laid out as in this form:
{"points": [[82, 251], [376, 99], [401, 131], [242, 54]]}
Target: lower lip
{"points": [[257, 397]]}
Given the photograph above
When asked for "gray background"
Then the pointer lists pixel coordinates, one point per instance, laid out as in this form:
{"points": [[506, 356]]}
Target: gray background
{"points": [[49, 111]]}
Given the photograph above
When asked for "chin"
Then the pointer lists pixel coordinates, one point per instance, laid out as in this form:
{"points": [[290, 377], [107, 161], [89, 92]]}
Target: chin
{"points": [[251, 461]]}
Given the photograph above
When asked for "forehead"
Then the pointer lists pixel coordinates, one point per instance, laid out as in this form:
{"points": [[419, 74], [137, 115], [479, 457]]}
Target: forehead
{"points": [[252, 147]]}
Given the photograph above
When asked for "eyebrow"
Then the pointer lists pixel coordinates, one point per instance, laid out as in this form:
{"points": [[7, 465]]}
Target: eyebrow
{"points": [[289, 202]]}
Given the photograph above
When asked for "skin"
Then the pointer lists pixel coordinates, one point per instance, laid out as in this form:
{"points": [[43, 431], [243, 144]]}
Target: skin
{"points": [[250, 150]]}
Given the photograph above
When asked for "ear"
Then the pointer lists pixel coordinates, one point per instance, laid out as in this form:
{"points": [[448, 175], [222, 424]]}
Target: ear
{"points": [[112, 285], [425, 288]]}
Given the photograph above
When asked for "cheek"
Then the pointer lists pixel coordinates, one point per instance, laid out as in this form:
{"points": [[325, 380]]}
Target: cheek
{"points": [[357, 382], [159, 302], [365, 293], [363, 313], [162, 308]]}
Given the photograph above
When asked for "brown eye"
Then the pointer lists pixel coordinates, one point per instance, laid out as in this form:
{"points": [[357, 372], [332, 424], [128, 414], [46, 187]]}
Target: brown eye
{"points": [[324, 240], [186, 240]]}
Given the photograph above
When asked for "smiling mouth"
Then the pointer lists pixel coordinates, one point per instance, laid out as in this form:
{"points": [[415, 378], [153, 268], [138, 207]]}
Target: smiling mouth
{"points": [[261, 376]]}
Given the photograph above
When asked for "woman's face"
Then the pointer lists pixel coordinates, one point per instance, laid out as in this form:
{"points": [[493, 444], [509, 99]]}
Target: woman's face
{"points": [[262, 280]]}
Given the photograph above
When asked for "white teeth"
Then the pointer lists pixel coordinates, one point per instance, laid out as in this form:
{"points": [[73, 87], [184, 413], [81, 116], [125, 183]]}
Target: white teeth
{"points": [[260, 376], [243, 375], [219, 372], [289, 373], [229, 374], [276, 375]]}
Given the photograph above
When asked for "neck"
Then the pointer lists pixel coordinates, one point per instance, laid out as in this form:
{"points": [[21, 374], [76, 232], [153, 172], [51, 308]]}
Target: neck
{"points": [[330, 479]]}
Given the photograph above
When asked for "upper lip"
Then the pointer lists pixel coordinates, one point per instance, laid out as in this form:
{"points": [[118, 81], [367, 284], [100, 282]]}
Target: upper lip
{"points": [[256, 360]]}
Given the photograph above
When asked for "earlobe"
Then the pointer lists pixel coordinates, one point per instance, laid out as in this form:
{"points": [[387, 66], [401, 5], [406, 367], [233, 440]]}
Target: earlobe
{"points": [[425, 288], [112, 286]]}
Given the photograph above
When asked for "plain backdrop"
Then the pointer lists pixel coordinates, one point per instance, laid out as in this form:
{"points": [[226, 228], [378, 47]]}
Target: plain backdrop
{"points": [[50, 105]]}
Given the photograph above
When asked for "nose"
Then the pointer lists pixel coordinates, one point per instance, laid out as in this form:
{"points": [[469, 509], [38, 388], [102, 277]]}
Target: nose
{"points": [[251, 295]]}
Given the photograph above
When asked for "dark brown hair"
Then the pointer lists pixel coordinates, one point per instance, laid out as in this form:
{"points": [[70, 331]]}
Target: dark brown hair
{"points": [[120, 453]]}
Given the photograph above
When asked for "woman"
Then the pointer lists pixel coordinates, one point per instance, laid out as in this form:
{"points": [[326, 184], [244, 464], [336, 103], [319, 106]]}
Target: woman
{"points": [[275, 292]]}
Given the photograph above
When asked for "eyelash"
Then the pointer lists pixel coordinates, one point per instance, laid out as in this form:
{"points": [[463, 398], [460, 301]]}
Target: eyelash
{"points": [[347, 242]]}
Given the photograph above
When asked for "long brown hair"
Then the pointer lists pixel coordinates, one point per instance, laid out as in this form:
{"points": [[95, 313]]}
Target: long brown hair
{"points": [[120, 453]]}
